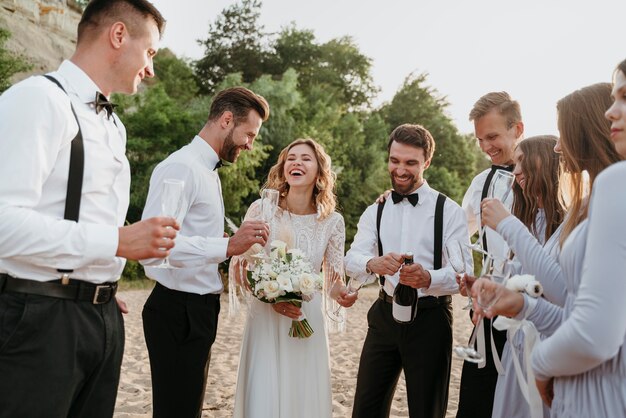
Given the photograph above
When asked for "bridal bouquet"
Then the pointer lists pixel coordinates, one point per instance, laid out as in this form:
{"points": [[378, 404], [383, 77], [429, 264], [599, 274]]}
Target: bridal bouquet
{"points": [[285, 276]]}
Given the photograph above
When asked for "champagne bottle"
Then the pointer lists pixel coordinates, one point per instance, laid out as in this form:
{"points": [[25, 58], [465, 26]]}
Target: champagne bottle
{"points": [[404, 306]]}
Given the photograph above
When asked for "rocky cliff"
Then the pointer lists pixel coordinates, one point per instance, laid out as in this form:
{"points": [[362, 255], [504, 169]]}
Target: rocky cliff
{"points": [[42, 30]]}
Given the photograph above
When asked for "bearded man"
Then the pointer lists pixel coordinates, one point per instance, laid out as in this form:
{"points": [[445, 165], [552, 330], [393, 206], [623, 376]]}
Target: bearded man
{"points": [[419, 220]]}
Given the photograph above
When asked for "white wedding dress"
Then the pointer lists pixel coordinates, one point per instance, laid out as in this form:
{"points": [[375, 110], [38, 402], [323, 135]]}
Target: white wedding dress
{"points": [[281, 376]]}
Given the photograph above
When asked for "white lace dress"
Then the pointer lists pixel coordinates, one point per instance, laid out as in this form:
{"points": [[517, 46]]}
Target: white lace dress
{"points": [[280, 376]]}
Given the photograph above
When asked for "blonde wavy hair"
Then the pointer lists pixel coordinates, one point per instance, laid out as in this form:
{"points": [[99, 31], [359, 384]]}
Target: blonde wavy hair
{"points": [[324, 197]]}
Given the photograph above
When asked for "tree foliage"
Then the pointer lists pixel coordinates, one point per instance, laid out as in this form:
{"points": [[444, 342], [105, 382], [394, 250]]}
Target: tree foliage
{"points": [[234, 44], [454, 162], [10, 63]]}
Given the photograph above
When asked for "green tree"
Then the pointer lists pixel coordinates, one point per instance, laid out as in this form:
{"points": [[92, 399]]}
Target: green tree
{"points": [[454, 162], [176, 75], [234, 45], [337, 66], [10, 63]]}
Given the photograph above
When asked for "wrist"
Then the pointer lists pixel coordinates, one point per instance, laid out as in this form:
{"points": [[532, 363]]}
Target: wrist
{"points": [[368, 270]]}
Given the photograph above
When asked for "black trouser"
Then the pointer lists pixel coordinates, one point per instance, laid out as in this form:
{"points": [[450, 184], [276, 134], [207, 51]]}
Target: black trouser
{"points": [[58, 357], [422, 349], [478, 386], [179, 328]]}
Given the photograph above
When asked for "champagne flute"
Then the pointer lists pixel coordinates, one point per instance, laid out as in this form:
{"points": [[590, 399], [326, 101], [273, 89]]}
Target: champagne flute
{"points": [[486, 299], [355, 283], [499, 188], [269, 204], [455, 255], [171, 205]]}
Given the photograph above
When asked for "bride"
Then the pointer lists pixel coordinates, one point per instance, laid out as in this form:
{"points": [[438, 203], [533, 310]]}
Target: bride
{"points": [[281, 376]]}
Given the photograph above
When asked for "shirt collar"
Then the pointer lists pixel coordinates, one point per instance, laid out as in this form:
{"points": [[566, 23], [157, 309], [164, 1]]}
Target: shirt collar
{"points": [[78, 81], [424, 191], [205, 152]]}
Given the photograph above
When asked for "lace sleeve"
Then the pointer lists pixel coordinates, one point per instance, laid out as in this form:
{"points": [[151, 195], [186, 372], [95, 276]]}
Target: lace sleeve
{"points": [[333, 256], [333, 269], [237, 268]]}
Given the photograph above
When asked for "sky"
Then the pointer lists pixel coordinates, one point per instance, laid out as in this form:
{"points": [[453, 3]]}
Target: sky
{"points": [[537, 50]]}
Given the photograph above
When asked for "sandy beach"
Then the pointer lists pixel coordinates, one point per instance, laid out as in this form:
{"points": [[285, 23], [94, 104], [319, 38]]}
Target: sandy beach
{"points": [[135, 397]]}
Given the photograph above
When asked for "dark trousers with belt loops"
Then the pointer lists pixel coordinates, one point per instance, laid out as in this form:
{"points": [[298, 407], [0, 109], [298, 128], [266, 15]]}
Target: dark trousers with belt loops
{"points": [[58, 357], [179, 328], [422, 349]]}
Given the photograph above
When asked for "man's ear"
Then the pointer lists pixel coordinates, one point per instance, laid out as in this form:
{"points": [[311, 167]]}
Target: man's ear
{"points": [[117, 34], [519, 129], [427, 163], [227, 119]]}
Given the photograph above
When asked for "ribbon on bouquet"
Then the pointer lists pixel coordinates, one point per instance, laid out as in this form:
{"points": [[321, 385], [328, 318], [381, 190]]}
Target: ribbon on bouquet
{"points": [[531, 338], [482, 349]]}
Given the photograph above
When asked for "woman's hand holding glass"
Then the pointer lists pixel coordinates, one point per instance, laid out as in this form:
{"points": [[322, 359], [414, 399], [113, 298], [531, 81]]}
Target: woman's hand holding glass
{"points": [[493, 211], [508, 303]]}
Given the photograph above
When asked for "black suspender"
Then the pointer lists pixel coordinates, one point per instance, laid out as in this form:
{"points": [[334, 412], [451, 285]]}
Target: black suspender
{"points": [[484, 195], [75, 176], [441, 200], [438, 245]]}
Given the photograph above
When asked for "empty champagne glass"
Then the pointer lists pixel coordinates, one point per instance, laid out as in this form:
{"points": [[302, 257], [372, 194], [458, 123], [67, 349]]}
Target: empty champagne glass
{"points": [[355, 282], [455, 255], [486, 298], [269, 204], [499, 188], [171, 205]]}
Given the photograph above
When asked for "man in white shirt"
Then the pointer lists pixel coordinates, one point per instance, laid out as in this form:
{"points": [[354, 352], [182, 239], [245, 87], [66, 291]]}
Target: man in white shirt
{"points": [[498, 127], [422, 349], [62, 241], [180, 316]]}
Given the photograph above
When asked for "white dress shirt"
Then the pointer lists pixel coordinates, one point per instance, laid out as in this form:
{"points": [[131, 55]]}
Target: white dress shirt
{"points": [[36, 130], [496, 245], [406, 228], [200, 244]]}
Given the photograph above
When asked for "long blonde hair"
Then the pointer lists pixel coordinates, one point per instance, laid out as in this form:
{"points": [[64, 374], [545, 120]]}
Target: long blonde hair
{"points": [[586, 146], [324, 190]]}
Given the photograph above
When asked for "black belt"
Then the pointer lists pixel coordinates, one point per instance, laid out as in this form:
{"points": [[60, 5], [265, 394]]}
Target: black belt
{"points": [[425, 302], [185, 297], [75, 289]]}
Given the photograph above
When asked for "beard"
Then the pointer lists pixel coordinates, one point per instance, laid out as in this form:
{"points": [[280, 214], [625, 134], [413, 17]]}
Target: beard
{"points": [[230, 151], [404, 188]]}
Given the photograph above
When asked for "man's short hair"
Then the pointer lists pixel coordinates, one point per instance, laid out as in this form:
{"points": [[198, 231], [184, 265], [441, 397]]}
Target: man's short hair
{"points": [[99, 13], [415, 136], [500, 100], [239, 101]]}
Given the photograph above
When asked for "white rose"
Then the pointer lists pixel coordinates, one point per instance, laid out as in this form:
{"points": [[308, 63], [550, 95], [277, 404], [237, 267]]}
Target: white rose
{"points": [[271, 289], [296, 252], [267, 269], [295, 283], [307, 284], [285, 282], [280, 247]]}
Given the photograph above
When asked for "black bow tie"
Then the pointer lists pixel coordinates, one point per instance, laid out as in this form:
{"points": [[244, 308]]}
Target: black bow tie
{"points": [[397, 197], [508, 168], [102, 102], [218, 164]]}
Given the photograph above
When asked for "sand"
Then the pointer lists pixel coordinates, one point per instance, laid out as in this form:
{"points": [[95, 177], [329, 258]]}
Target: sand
{"points": [[135, 395]]}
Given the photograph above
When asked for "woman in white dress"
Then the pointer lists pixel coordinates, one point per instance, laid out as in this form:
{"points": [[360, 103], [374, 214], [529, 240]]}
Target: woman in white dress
{"points": [[281, 376], [581, 367]]}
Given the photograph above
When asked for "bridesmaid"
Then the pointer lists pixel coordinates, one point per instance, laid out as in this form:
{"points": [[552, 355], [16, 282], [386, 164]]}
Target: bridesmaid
{"points": [[581, 367], [538, 215]]}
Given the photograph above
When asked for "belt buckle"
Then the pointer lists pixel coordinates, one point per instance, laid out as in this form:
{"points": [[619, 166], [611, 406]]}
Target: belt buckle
{"points": [[101, 297]]}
